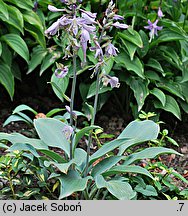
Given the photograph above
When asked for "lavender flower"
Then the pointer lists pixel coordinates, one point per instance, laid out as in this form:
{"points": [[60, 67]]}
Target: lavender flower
{"points": [[111, 50], [68, 131], [61, 71], [120, 25], [113, 81], [69, 111], [118, 17], [153, 29], [54, 9], [97, 48], [160, 13]]}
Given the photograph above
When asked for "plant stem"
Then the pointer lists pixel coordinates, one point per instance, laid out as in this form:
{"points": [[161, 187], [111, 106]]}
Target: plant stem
{"points": [[185, 16], [92, 122], [72, 103]]}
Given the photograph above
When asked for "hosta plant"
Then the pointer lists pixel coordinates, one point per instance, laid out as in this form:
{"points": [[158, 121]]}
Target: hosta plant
{"points": [[110, 169]]}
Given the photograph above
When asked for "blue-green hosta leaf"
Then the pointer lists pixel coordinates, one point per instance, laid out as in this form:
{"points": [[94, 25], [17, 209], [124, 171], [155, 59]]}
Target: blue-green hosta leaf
{"points": [[3, 9], [108, 147], [7, 79], [24, 107], [170, 106], [127, 169], [82, 132], [50, 132], [131, 36], [17, 44], [54, 111], [138, 132], [151, 152], [120, 189], [23, 147], [160, 95], [54, 156], [149, 190], [135, 65], [72, 182], [19, 138], [105, 165], [15, 118], [63, 167]]}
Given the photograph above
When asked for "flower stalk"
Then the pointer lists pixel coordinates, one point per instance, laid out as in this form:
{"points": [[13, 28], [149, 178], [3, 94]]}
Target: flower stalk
{"points": [[72, 104]]}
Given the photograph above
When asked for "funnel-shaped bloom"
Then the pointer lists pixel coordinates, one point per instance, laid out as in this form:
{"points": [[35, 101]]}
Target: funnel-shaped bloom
{"points": [[160, 13], [113, 81], [153, 29], [67, 131], [61, 71], [111, 50]]}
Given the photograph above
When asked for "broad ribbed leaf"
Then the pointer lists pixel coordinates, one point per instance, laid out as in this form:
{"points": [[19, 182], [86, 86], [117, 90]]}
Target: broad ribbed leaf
{"points": [[54, 156], [72, 182], [131, 36], [149, 190], [19, 138], [151, 152], [82, 132], [144, 50], [34, 25], [24, 107], [140, 89], [23, 147], [59, 86], [153, 63], [120, 189], [135, 65], [127, 169], [37, 56], [160, 95], [170, 106], [3, 9], [27, 5], [7, 78], [50, 132], [17, 44], [92, 90], [138, 132], [131, 48], [107, 147], [171, 87], [15, 18], [104, 165]]}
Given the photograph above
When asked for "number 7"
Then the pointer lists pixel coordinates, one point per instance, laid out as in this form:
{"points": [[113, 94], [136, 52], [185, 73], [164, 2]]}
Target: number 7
{"points": [[181, 206]]}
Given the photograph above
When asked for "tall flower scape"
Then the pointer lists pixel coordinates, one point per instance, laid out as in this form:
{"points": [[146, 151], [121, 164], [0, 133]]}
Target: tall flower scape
{"points": [[86, 33]]}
